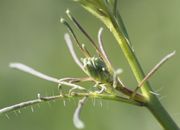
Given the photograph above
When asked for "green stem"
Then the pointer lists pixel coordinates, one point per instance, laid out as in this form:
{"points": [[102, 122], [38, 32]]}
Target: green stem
{"points": [[73, 95], [103, 10], [161, 114], [153, 104]]}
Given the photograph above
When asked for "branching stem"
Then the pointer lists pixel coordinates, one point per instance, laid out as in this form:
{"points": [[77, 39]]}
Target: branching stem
{"points": [[73, 95], [112, 19]]}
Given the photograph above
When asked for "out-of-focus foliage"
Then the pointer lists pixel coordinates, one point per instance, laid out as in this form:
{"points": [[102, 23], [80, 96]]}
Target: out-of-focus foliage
{"points": [[30, 32]]}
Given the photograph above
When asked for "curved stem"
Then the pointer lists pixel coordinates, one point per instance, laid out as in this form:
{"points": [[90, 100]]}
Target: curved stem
{"points": [[153, 103], [112, 19], [73, 95]]}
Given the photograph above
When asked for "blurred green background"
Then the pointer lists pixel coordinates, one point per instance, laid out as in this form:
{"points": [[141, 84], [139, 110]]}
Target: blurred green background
{"points": [[30, 32]]}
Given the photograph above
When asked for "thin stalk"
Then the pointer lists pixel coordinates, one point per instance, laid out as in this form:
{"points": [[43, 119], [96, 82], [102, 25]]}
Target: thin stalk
{"points": [[153, 103], [101, 9], [63, 96]]}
